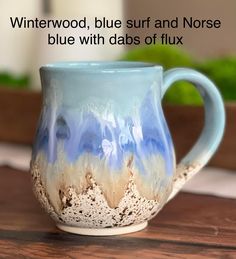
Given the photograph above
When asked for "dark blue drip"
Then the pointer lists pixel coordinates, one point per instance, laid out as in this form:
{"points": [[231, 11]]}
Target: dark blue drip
{"points": [[62, 129], [91, 143]]}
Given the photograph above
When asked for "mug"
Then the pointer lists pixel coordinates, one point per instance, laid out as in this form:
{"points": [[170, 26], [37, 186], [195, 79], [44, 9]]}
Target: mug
{"points": [[103, 161]]}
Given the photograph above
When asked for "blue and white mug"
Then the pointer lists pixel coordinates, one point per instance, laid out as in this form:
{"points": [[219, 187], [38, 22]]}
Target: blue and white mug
{"points": [[103, 161]]}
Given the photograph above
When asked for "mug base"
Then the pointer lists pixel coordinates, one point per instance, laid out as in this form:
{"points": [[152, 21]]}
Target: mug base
{"points": [[103, 231]]}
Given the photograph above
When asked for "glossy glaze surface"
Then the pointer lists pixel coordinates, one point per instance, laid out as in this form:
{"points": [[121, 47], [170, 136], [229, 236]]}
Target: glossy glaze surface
{"points": [[106, 125]]}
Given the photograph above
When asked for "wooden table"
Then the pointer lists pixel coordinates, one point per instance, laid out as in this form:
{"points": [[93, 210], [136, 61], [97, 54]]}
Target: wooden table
{"points": [[190, 226]]}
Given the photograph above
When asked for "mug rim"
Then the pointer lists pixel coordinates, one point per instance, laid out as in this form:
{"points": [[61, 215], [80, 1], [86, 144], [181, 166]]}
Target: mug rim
{"points": [[100, 66]]}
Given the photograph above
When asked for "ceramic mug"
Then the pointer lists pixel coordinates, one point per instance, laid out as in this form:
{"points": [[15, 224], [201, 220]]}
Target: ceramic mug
{"points": [[103, 161]]}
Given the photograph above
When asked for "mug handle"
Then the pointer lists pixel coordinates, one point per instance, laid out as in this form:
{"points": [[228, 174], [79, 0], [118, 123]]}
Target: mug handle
{"points": [[212, 132]]}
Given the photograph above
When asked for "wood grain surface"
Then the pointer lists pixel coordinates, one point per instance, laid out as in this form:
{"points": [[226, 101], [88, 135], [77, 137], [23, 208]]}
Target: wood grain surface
{"points": [[19, 112], [190, 226]]}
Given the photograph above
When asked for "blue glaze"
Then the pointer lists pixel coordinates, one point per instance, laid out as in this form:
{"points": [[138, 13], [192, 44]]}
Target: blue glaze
{"points": [[110, 112], [87, 136]]}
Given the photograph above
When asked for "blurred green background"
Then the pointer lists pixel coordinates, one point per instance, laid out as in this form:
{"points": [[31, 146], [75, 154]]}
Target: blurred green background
{"points": [[222, 71], [10, 80]]}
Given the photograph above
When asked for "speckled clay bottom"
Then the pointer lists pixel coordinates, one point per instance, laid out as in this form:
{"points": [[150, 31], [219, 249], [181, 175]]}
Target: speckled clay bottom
{"points": [[103, 231], [89, 213]]}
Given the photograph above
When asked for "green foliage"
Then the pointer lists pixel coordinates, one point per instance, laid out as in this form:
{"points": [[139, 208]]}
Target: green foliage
{"points": [[11, 81], [167, 56], [183, 93], [222, 71]]}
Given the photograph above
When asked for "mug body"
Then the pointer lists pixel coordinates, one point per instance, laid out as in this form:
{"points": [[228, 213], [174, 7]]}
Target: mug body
{"points": [[103, 159]]}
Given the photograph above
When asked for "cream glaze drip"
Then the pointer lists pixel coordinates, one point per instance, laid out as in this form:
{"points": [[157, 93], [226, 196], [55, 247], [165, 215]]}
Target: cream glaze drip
{"points": [[59, 176]]}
